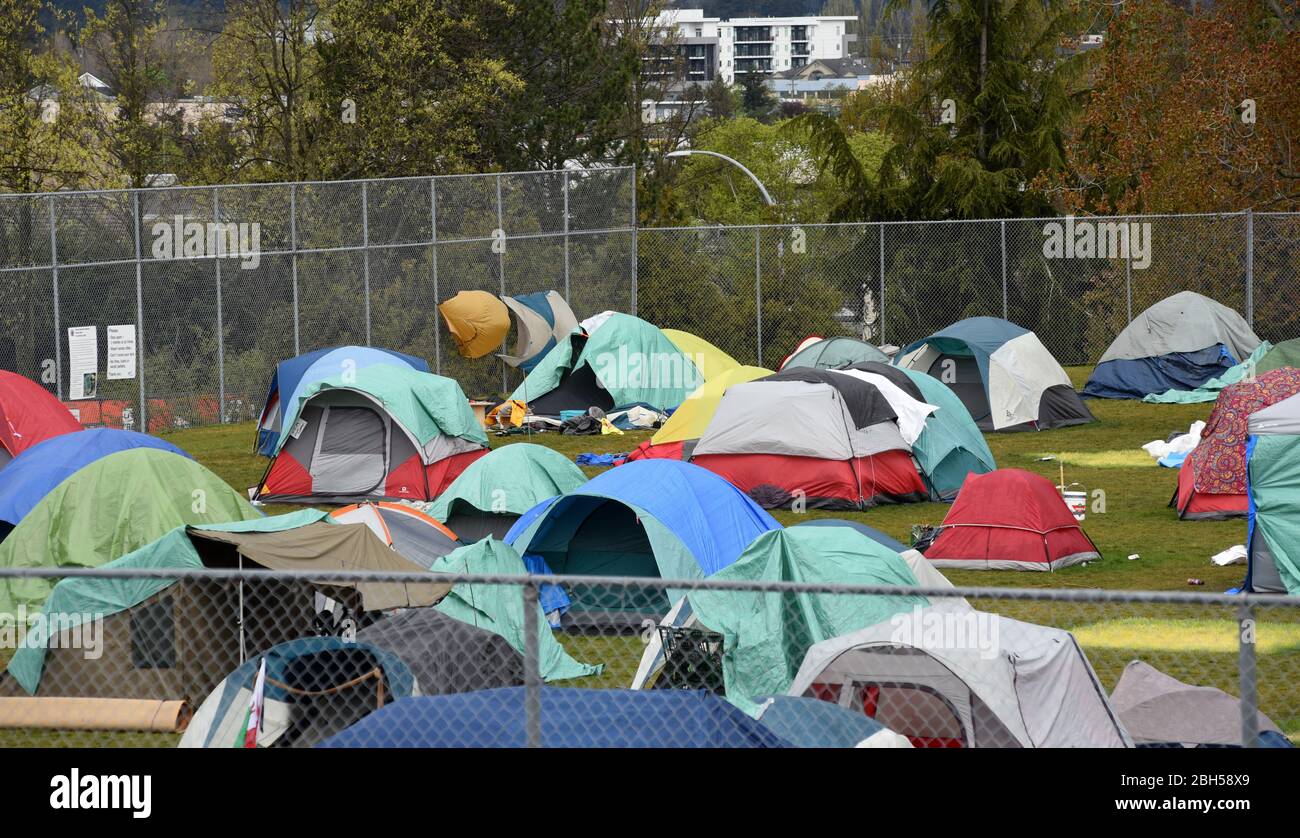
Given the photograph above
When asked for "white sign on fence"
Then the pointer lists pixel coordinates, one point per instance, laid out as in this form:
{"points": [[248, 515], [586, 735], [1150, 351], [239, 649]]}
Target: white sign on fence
{"points": [[121, 352], [83, 362]]}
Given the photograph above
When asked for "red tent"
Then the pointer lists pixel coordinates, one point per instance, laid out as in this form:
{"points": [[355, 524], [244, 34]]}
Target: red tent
{"points": [[28, 414], [1212, 480], [1010, 519]]}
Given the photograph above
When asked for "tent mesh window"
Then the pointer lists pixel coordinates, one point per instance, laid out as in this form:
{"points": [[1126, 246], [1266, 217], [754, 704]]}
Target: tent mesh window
{"points": [[692, 659], [153, 635]]}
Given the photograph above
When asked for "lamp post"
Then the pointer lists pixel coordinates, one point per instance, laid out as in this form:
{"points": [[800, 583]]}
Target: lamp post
{"points": [[686, 152]]}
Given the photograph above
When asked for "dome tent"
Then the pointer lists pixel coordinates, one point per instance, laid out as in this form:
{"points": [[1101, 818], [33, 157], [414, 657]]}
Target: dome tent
{"points": [[29, 414], [415, 536], [1273, 474], [382, 432], [1212, 479], [1010, 519], [1177, 344], [541, 320], [489, 496], [477, 320], [291, 377], [1002, 373], [677, 437], [833, 353]]}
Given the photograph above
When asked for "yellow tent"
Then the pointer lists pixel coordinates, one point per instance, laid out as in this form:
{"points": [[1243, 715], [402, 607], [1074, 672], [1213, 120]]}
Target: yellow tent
{"points": [[711, 360], [478, 322], [690, 420]]}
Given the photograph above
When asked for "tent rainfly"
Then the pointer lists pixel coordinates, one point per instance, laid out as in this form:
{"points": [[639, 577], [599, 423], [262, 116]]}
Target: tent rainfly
{"points": [[1273, 474], [542, 320], [29, 414]]}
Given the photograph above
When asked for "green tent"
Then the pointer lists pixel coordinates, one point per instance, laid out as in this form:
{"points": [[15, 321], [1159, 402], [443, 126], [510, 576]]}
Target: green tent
{"points": [[1285, 354], [111, 507], [766, 635], [834, 353], [624, 361], [951, 446], [500, 608], [1273, 482], [496, 489], [77, 598]]}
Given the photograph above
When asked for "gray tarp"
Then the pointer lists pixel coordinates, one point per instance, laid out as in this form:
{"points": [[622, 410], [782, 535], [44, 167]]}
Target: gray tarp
{"points": [[445, 654], [1155, 707], [1185, 322]]}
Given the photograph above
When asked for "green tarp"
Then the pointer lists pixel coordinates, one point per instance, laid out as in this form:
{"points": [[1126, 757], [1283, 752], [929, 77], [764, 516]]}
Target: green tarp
{"points": [[633, 360], [1284, 354], [510, 480], [78, 599], [1209, 391], [424, 404], [500, 608], [109, 508], [766, 635], [1275, 497]]}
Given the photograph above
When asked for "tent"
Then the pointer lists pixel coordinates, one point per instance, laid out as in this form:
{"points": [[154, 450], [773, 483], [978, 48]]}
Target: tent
{"points": [[1002, 373], [926, 574], [1158, 710], [1010, 519], [1273, 475], [677, 437], [1209, 390], [444, 654], [823, 439], [1008, 684], [314, 687], [1176, 344], [541, 320], [412, 533], [1212, 479], [833, 353], [489, 496], [379, 432], [765, 635], [29, 414], [38, 470], [709, 359], [114, 505], [1284, 354], [810, 723], [170, 638], [295, 375], [570, 718], [622, 361], [652, 518], [477, 320]]}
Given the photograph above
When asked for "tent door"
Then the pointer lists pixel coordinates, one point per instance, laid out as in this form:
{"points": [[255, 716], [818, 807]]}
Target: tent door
{"points": [[351, 456], [962, 375]]}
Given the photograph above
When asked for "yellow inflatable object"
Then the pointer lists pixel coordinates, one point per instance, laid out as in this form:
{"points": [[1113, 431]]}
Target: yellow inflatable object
{"points": [[694, 415], [478, 322]]}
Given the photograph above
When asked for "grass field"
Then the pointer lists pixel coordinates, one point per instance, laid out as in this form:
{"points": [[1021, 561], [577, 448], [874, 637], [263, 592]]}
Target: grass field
{"points": [[1195, 644]]}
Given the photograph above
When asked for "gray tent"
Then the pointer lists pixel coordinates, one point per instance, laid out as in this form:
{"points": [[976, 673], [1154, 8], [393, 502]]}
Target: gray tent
{"points": [[445, 654], [1161, 710]]}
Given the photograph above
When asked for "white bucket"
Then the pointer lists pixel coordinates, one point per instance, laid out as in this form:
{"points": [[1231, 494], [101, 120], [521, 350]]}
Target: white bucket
{"points": [[1077, 502]]}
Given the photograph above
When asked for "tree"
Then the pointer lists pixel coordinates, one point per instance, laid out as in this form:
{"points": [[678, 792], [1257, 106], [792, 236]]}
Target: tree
{"points": [[721, 99], [756, 99]]}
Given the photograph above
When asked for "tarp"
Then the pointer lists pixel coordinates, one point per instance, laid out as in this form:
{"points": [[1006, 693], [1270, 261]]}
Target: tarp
{"points": [[1273, 464], [1157, 709], [510, 479], [766, 635], [444, 654], [116, 504], [570, 718], [1284, 354], [34, 473], [477, 320], [500, 608], [1209, 391], [834, 353], [29, 414], [295, 373]]}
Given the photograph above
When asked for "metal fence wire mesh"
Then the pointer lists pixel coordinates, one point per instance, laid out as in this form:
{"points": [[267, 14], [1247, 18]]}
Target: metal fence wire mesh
{"points": [[121, 657], [222, 282]]}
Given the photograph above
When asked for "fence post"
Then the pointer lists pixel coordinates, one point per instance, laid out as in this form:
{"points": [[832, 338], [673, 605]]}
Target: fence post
{"points": [[566, 235], [293, 261], [882, 283], [758, 291], [636, 224], [501, 269], [1250, 267], [54, 274], [1128, 275], [365, 251], [139, 310], [1003, 225], [1247, 676], [532, 670], [433, 268], [221, 332]]}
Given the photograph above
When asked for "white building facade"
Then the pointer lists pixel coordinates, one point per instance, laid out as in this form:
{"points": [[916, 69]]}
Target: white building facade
{"points": [[775, 44]]}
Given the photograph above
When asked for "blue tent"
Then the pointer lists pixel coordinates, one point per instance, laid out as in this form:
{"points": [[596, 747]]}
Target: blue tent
{"points": [[570, 718], [34, 473], [293, 376], [813, 723], [657, 518]]}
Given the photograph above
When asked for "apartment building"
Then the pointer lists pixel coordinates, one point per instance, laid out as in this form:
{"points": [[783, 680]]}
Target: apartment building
{"points": [[769, 45]]}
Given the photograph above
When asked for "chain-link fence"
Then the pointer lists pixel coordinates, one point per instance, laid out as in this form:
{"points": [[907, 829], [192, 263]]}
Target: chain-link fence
{"points": [[227, 653], [310, 265]]}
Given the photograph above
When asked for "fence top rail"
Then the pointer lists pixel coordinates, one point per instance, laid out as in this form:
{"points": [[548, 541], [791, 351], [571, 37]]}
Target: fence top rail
{"points": [[757, 586], [282, 183], [945, 221]]}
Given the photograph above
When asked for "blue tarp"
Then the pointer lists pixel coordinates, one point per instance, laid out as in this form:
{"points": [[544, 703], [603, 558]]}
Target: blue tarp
{"points": [[1135, 378], [570, 718], [33, 474], [813, 723], [294, 375]]}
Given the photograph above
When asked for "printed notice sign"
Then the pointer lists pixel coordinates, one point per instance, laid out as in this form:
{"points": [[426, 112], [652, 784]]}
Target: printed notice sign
{"points": [[121, 352], [83, 362]]}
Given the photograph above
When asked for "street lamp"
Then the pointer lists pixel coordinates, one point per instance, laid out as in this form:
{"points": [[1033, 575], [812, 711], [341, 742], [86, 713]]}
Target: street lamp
{"points": [[686, 152]]}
